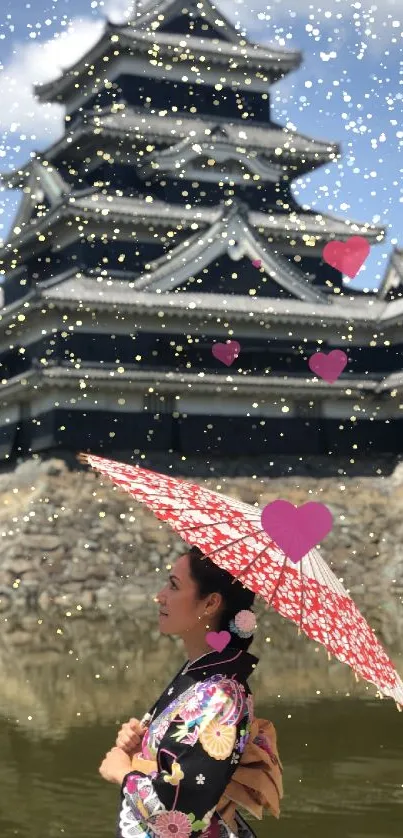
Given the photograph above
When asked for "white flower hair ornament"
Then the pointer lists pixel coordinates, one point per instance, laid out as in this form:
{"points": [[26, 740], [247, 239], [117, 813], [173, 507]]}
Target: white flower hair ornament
{"points": [[243, 624]]}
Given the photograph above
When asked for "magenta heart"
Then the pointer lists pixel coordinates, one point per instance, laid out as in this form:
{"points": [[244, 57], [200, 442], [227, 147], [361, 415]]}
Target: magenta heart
{"points": [[226, 352], [257, 263], [218, 640], [330, 366], [296, 529], [348, 257]]}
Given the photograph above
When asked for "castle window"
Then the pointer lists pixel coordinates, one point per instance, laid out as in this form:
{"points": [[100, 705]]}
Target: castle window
{"points": [[153, 403]]}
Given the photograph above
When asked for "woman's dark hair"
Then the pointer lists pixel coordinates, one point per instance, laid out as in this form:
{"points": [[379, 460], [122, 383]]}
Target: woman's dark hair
{"points": [[209, 579]]}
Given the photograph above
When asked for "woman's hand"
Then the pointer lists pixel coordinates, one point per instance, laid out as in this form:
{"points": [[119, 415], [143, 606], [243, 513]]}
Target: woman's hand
{"points": [[115, 766], [130, 736]]}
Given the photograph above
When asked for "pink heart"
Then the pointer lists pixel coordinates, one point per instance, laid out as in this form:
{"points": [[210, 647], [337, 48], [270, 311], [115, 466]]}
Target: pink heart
{"points": [[218, 640], [347, 257], [296, 530], [226, 352], [330, 366], [257, 263]]}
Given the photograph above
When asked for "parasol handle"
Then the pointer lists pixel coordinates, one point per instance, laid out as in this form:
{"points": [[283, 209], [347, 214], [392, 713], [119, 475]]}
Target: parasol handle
{"points": [[82, 458]]}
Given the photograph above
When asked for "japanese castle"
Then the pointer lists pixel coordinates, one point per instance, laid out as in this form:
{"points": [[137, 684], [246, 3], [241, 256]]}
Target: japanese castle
{"points": [[163, 222]]}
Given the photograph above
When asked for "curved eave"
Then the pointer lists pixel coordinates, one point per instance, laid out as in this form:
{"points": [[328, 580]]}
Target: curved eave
{"points": [[169, 156], [392, 313], [313, 155], [18, 177], [320, 153], [219, 383], [78, 292], [50, 91], [266, 53], [64, 209], [158, 166], [56, 90], [314, 227], [268, 59], [384, 286], [394, 381], [130, 210], [183, 305]]}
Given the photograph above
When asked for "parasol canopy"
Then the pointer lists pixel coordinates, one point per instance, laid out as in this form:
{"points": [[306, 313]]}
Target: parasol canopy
{"points": [[230, 532]]}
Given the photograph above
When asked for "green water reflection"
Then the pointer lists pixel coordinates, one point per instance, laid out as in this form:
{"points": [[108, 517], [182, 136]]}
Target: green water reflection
{"points": [[62, 703]]}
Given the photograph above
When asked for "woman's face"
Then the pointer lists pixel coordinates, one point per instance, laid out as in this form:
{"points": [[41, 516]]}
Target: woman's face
{"points": [[180, 608]]}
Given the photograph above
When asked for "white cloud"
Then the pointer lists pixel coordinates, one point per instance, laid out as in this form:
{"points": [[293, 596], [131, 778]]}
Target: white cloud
{"points": [[34, 63], [38, 62], [371, 27], [118, 11]]}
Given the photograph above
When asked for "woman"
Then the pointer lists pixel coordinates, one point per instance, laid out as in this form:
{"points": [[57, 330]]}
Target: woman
{"points": [[198, 730]]}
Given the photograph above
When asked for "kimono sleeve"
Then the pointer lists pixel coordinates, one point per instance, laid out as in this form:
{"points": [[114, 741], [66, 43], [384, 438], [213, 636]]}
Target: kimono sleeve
{"points": [[196, 759]]}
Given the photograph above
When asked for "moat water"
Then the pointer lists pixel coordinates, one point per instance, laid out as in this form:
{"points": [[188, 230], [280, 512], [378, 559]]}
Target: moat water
{"points": [[65, 692]]}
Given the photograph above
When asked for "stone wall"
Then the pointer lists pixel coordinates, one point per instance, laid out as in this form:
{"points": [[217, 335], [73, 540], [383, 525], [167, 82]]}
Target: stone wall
{"points": [[73, 542]]}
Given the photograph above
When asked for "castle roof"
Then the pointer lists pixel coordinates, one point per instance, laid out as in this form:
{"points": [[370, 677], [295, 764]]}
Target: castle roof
{"points": [[39, 380], [74, 289], [248, 57], [393, 276], [130, 210], [158, 13], [172, 129]]}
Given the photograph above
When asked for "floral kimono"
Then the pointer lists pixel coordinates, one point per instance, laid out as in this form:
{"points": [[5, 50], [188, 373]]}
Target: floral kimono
{"points": [[197, 733]]}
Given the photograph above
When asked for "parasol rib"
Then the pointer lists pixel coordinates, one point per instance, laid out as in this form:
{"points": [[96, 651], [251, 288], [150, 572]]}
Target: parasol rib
{"points": [[277, 585], [244, 569]]}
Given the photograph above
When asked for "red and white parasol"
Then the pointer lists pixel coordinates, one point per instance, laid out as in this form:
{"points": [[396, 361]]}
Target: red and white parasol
{"points": [[231, 534]]}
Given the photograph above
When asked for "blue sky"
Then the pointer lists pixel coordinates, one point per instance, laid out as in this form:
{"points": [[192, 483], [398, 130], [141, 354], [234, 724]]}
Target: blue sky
{"points": [[348, 90]]}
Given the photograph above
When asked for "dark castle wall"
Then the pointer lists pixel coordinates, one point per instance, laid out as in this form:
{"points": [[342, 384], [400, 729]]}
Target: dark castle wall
{"points": [[119, 176], [90, 255], [161, 94], [172, 190], [16, 287], [194, 435], [226, 276], [159, 351], [322, 272]]}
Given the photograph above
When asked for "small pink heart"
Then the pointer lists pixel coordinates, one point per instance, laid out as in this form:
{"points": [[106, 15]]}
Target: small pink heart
{"points": [[257, 263], [296, 530], [226, 352], [348, 257], [330, 366], [218, 640]]}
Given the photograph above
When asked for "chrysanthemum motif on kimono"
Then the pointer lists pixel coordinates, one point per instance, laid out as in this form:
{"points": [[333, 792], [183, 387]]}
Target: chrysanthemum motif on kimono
{"points": [[176, 824], [172, 824], [218, 739], [191, 710]]}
